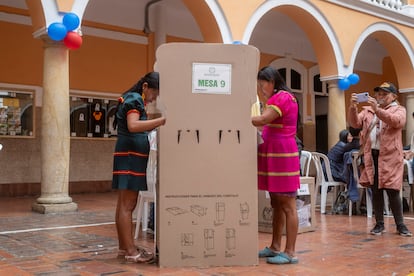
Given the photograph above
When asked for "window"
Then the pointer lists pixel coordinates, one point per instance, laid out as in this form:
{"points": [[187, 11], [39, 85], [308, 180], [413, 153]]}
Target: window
{"points": [[295, 80], [320, 88], [16, 112], [92, 117]]}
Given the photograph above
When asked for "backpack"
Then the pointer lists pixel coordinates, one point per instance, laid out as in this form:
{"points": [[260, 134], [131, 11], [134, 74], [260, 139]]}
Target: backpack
{"points": [[341, 203]]}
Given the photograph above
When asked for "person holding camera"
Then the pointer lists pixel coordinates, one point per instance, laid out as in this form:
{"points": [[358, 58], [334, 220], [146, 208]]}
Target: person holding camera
{"points": [[382, 121]]}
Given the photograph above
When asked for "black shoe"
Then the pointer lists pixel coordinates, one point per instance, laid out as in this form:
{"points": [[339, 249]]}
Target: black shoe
{"points": [[378, 229], [403, 230]]}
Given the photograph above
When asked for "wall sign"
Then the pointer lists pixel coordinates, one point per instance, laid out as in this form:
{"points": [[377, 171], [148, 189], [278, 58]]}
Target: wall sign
{"points": [[209, 78]]}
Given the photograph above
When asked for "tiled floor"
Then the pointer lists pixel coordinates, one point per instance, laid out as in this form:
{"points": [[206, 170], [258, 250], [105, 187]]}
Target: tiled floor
{"points": [[84, 243]]}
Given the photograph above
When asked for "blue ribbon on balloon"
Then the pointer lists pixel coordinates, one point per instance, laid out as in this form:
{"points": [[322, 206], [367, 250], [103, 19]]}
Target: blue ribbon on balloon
{"points": [[345, 83], [58, 30]]}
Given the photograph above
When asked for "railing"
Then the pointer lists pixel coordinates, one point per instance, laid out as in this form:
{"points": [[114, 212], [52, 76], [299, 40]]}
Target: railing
{"points": [[400, 11], [390, 4]]}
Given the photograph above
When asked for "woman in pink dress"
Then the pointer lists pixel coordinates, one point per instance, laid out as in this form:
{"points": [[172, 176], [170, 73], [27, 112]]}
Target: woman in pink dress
{"points": [[278, 162]]}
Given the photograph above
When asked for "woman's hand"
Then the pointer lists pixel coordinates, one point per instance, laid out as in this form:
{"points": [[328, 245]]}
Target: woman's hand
{"points": [[354, 100], [373, 103], [163, 120]]}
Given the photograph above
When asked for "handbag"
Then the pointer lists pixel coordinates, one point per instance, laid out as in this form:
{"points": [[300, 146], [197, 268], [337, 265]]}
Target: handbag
{"points": [[360, 158]]}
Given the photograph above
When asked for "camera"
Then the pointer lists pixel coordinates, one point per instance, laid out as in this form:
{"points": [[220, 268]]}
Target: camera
{"points": [[362, 97]]}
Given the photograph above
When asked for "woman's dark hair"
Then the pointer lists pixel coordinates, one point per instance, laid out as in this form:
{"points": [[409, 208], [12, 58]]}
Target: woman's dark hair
{"points": [[343, 135], [354, 131], [153, 81], [269, 73]]}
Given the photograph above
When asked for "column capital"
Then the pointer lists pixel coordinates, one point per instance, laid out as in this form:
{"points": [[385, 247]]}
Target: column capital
{"points": [[48, 42], [332, 84]]}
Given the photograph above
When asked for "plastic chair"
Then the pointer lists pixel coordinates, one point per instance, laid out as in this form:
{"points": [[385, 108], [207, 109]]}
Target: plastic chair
{"points": [[149, 196], [146, 197], [368, 199], [409, 171], [322, 181], [410, 177], [305, 161]]}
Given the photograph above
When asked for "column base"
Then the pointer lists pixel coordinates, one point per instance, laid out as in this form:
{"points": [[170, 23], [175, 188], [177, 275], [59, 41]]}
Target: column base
{"points": [[54, 208]]}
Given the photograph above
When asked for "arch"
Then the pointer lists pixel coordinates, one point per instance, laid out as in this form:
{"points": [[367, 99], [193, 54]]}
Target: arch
{"points": [[315, 25], [210, 19], [221, 20], [397, 46], [52, 14], [44, 13]]}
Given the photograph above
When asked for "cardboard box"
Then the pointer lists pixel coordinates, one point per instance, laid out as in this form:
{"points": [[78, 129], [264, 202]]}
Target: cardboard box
{"points": [[207, 208], [304, 203]]}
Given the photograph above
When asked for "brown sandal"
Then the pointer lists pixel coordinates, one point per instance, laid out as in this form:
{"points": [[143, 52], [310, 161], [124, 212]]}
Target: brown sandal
{"points": [[142, 257], [122, 252]]}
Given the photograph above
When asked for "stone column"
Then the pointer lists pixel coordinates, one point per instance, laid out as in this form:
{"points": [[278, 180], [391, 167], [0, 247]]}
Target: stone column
{"points": [[55, 130], [336, 113]]}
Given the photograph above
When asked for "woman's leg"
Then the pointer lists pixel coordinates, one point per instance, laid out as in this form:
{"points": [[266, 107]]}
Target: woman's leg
{"points": [[278, 223], [127, 201], [121, 246], [377, 194], [395, 204], [288, 205]]}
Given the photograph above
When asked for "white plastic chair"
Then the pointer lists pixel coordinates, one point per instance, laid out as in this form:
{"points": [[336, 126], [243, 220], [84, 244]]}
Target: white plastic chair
{"points": [[410, 175], [410, 182], [409, 171], [305, 161], [323, 182], [368, 199], [149, 196]]}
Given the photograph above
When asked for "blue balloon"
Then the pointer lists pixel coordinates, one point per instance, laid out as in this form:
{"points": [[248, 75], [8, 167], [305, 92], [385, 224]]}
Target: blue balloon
{"points": [[57, 31], [353, 78], [344, 84], [71, 21], [236, 42]]}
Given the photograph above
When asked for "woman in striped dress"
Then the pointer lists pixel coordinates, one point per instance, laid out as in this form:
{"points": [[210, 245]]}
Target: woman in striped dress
{"points": [[278, 162], [130, 159]]}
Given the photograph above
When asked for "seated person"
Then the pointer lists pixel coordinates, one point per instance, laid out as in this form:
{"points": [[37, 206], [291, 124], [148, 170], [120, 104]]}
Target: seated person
{"points": [[336, 156], [354, 144], [350, 147]]}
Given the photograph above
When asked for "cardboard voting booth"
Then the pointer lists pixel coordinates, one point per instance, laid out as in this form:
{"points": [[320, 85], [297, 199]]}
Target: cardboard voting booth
{"points": [[206, 199], [304, 204]]}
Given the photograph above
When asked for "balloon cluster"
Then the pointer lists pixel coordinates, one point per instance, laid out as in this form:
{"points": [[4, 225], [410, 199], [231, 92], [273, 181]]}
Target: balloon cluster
{"points": [[345, 83], [64, 31]]}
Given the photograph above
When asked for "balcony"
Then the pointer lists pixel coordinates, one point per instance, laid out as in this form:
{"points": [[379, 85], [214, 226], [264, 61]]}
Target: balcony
{"points": [[388, 4], [397, 11]]}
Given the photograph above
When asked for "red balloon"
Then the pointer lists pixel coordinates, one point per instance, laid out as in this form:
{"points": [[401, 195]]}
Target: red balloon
{"points": [[72, 40]]}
